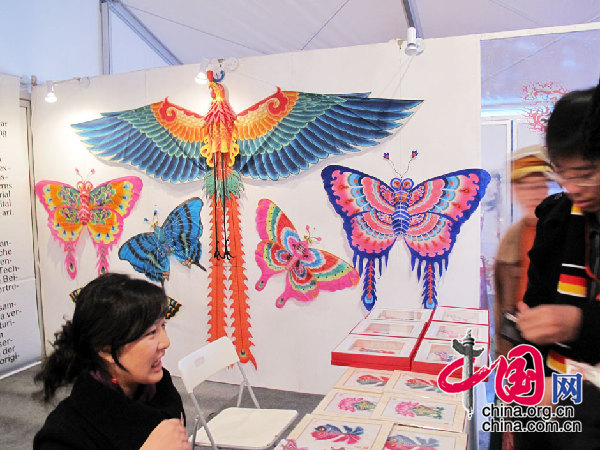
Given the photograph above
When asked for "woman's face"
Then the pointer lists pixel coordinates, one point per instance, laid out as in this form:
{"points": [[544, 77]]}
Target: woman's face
{"points": [[142, 359], [530, 191]]}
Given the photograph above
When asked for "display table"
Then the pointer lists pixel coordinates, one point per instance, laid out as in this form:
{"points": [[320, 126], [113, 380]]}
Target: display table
{"points": [[389, 397]]}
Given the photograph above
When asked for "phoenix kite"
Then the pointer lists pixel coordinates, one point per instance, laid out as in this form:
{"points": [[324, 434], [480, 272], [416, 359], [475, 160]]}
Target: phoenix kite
{"points": [[278, 137]]}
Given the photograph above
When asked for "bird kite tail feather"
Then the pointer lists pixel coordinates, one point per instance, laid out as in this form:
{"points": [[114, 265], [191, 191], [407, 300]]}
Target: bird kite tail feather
{"points": [[429, 291], [70, 262], [369, 297], [216, 280], [102, 264], [239, 296]]}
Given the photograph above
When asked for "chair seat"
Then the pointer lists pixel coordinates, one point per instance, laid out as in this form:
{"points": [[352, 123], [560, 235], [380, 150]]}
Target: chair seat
{"points": [[247, 428]]}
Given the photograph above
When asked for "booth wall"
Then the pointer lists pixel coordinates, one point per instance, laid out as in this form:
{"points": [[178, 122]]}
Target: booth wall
{"points": [[20, 343], [292, 345]]}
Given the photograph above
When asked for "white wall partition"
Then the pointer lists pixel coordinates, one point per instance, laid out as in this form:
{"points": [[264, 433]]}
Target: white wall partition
{"points": [[19, 332], [292, 345]]}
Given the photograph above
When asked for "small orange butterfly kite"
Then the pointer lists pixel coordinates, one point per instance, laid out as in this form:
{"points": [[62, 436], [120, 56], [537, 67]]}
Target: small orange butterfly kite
{"points": [[102, 209]]}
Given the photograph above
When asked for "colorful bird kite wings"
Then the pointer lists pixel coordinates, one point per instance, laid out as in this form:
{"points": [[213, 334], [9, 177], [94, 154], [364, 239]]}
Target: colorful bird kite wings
{"points": [[101, 210], [308, 270], [279, 136], [428, 217], [179, 236]]}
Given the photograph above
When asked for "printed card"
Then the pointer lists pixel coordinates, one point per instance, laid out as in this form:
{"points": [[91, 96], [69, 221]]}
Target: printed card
{"points": [[395, 328], [421, 384], [404, 438], [421, 412], [461, 315], [419, 315], [368, 380], [449, 331], [340, 402], [374, 352], [433, 355], [316, 432], [375, 345]]}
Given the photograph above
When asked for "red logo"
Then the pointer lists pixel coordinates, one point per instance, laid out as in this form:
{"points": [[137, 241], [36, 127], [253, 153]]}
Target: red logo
{"points": [[514, 381]]}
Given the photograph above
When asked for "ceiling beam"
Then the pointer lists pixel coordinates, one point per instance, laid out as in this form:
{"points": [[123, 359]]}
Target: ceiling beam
{"points": [[136, 25], [106, 68], [412, 17]]}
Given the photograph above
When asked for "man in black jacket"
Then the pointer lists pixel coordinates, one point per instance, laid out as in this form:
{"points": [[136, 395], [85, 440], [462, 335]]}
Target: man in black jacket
{"points": [[561, 314], [563, 286]]}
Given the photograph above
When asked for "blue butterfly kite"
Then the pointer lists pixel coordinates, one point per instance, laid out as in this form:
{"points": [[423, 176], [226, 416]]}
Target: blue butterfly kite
{"points": [[179, 236]]}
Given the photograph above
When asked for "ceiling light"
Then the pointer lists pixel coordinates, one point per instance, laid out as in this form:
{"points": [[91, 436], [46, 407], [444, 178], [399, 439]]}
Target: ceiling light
{"points": [[414, 45], [201, 78], [218, 66], [50, 95]]}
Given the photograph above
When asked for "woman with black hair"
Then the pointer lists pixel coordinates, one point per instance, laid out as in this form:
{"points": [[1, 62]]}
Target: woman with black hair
{"points": [[111, 350]]}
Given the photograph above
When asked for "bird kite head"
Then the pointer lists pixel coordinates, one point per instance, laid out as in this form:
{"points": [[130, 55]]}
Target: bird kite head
{"points": [[217, 91]]}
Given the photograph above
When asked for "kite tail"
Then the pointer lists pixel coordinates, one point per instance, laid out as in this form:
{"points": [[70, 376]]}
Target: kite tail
{"points": [[70, 262], [102, 253], [369, 297], [216, 277], [429, 292], [237, 275]]}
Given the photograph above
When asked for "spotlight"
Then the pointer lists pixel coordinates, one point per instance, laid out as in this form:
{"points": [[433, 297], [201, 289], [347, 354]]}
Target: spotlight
{"points": [[201, 78], [218, 66], [414, 45], [50, 95]]}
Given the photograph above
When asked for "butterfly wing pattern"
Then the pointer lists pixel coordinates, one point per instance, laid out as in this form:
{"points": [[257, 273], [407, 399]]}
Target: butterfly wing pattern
{"points": [[428, 216], [110, 203], [179, 236], [308, 269], [102, 209]]}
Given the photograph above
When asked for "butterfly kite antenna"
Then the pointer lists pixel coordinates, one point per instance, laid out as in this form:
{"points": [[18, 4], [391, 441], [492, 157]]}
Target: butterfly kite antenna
{"points": [[92, 171], [154, 221], [413, 155], [386, 156], [310, 239]]}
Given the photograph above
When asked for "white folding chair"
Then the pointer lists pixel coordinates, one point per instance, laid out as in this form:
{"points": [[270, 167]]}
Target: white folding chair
{"points": [[246, 428]]}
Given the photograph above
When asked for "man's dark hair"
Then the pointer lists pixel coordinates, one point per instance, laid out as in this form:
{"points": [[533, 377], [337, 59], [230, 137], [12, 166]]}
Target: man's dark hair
{"points": [[566, 135]]}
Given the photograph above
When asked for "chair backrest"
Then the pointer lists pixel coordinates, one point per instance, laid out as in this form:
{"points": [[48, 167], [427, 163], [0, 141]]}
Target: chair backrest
{"points": [[206, 361]]}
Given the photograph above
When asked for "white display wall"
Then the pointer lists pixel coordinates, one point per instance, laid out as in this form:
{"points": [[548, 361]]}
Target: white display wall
{"points": [[19, 331], [292, 345]]}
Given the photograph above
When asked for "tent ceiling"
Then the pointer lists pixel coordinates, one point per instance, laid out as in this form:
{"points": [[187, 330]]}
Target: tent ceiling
{"points": [[198, 29]]}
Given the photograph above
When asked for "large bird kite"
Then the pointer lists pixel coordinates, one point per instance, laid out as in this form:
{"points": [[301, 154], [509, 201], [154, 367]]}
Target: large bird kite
{"points": [[279, 136]]}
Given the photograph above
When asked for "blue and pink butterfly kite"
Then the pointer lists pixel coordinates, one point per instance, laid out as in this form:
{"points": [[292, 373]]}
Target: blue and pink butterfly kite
{"points": [[427, 216]]}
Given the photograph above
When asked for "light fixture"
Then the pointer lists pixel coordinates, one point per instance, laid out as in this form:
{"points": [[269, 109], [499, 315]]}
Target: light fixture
{"points": [[217, 66], [50, 95], [414, 45], [201, 77]]}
